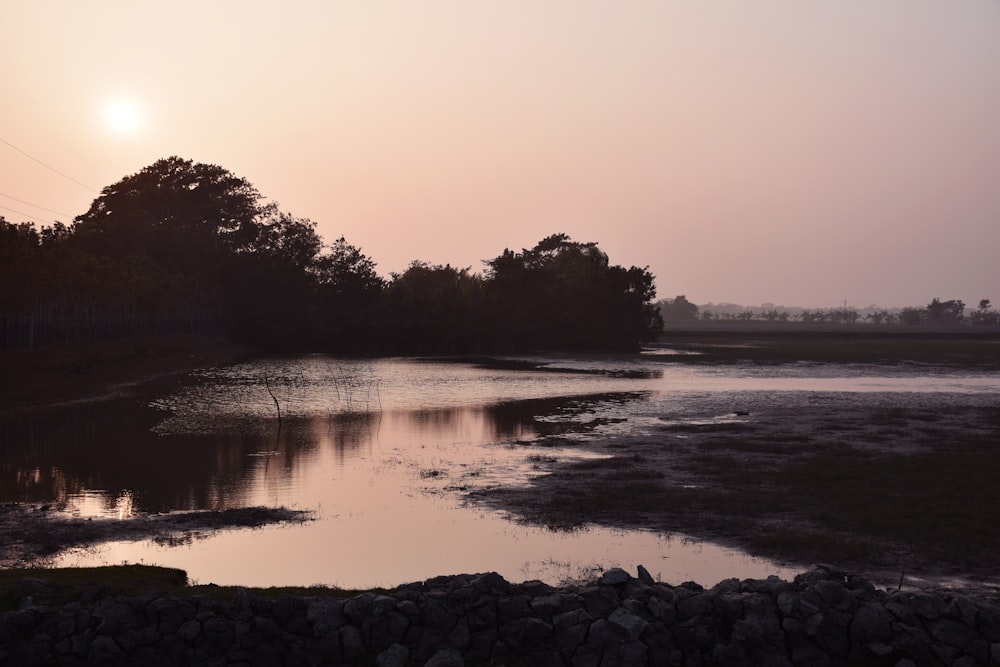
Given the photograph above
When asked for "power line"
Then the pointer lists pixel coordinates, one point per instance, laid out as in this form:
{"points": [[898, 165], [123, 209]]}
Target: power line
{"points": [[27, 215], [69, 178], [35, 205]]}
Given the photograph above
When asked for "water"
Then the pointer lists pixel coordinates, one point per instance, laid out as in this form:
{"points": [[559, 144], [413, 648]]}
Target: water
{"points": [[383, 452]]}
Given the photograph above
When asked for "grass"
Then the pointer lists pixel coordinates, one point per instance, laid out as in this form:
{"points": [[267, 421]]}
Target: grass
{"points": [[786, 489], [966, 346], [57, 586], [944, 502], [63, 585]]}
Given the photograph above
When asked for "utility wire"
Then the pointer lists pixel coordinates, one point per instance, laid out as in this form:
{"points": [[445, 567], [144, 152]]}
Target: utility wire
{"points": [[70, 178], [27, 215], [35, 205]]}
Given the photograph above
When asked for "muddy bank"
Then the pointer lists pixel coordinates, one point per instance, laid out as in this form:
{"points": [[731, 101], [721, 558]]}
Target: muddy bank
{"points": [[33, 533], [54, 374], [888, 485], [824, 617]]}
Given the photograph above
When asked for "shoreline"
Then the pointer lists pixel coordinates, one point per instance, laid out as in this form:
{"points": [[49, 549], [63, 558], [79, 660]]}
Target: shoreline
{"points": [[672, 483], [824, 616], [58, 375]]}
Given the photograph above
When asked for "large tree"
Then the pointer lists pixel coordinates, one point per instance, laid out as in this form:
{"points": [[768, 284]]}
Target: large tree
{"points": [[566, 294]]}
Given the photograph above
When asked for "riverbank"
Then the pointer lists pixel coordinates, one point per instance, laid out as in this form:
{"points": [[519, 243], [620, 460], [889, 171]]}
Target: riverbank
{"points": [[54, 374], [825, 616], [33, 533], [895, 486]]}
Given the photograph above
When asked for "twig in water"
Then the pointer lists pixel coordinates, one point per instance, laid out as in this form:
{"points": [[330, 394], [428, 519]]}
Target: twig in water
{"points": [[277, 406]]}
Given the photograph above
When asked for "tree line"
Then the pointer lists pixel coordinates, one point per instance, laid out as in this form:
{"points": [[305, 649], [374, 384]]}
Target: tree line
{"points": [[938, 313], [188, 247]]}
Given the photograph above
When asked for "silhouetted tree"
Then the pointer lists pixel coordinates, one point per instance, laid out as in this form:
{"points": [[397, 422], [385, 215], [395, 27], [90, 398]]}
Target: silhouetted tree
{"points": [[945, 312], [564, 294], [678, 308], [433, 308], [349, 292], [985, 314]]}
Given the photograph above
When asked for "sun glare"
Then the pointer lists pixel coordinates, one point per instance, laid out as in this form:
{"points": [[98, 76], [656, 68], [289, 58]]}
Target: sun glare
{"points": [[122, 116]]}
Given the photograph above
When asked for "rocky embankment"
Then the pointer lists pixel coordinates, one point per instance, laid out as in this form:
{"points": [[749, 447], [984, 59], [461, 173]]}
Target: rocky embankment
{"points": [[823, 617]]}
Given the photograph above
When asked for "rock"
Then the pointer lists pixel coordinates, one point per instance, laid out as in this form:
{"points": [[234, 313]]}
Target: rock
{"points": [[824, 617], [446, 658], [631, 625], [644, 576], [395, 655], [615, 576]]}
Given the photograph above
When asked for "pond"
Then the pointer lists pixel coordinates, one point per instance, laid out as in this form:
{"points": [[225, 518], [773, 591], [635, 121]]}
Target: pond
{"points": [[384, 452]]}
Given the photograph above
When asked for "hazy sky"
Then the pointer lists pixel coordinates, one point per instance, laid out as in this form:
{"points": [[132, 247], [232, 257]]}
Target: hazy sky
{"points": [[802, 152]]}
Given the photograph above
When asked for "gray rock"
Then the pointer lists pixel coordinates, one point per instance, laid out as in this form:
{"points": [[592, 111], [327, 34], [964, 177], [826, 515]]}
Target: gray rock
{"points": [[189, 631], [448, 657], [951, 632], [614, 576], [630, 625], [872, 623], [395, 655], [523, 632], [546, 605], [599, 602]]}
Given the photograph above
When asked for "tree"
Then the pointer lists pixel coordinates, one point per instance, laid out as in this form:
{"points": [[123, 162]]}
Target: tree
{"points": [[434, 308], [945, 312], [985, 314], [177, 211], [678, 308], [565, 294], [349, 292], [912, 316]]}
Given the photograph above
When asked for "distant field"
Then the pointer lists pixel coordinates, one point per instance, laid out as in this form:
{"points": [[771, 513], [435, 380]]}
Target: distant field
{"points": [[770, 342]]}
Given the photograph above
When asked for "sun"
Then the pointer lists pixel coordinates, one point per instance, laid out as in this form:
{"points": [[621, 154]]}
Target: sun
{"points": [[122, 115]]}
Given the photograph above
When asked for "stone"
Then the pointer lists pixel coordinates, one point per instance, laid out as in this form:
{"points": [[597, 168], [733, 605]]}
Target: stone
{"points": [[644, 576], [395, 655], [631, 625], [546, 605], [448, 657], [694, 606], [871, 623], [599, 602], [615, 576], [352, 647], [662, 610], [189, 631], [951, 632], [522, 632]]}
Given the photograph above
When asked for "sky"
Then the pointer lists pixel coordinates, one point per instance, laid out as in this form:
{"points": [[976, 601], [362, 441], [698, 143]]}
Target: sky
{"points": [[797, 152]]}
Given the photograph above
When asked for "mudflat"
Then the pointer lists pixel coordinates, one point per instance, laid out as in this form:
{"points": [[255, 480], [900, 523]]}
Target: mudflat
{"points": [[898, 487]]}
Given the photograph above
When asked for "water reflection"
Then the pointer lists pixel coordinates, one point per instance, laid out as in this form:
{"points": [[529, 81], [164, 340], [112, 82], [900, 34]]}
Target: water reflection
{"points": [[381, 481], [108, 459]]}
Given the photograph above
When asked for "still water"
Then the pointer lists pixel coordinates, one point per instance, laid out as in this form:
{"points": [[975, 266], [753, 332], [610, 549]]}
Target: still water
{"points": [[383, 452]]}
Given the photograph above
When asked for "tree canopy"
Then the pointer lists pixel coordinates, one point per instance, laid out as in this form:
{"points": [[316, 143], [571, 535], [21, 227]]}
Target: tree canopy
{"points": [[183, 246]]}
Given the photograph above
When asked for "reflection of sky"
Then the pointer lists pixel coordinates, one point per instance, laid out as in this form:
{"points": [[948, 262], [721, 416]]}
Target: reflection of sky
{"points": [[386, 485]]}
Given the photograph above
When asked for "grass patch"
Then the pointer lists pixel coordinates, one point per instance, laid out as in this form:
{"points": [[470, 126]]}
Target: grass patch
{"points": [[63, 585], [944, 502], [58, 586]]}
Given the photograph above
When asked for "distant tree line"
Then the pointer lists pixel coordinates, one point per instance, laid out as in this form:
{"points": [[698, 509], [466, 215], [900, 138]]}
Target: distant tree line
{"points": [[937, 312], [189, 247]]}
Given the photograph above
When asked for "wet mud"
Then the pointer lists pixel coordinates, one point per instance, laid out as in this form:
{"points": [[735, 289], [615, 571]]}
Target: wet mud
{"points": [[34, 533], [898, 486]]}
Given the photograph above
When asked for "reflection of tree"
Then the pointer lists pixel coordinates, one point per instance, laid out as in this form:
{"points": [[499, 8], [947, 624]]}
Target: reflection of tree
{"points": [[350, 433], [109, 446]]}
